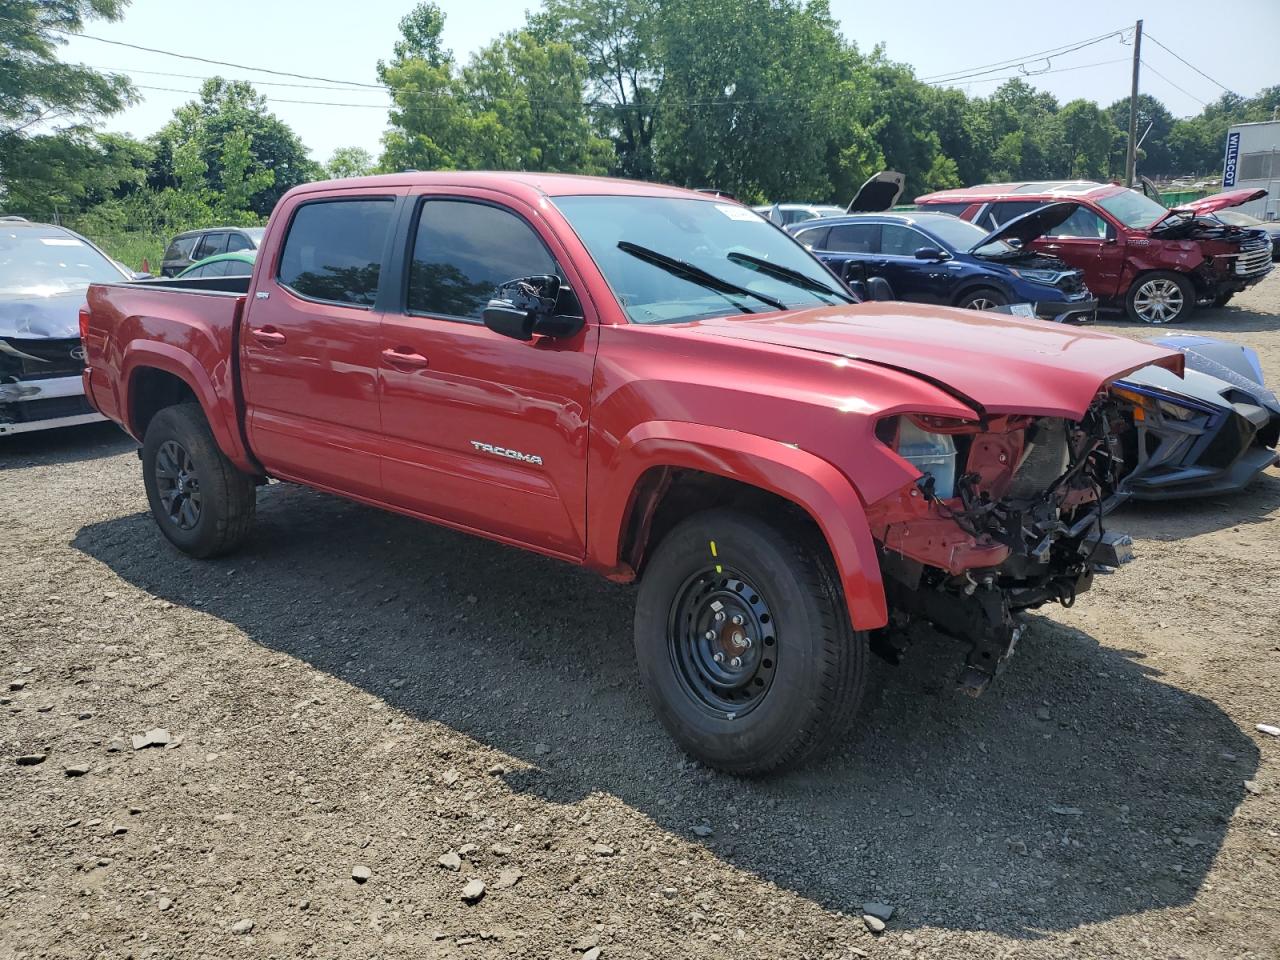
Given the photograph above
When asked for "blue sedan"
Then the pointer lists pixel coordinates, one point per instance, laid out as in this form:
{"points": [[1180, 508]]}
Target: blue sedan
{"points": [[938, 258]]}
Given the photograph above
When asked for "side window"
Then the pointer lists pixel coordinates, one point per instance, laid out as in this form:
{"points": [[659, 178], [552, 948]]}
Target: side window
{"points": [[899, 241], [196, 273], [239, 241], [334, 250], [1083, 223], [239, 268], [210, 244], [955, 209], [1000, 213], [815, 238], [180, 248], [854, 238], [463, 250]]}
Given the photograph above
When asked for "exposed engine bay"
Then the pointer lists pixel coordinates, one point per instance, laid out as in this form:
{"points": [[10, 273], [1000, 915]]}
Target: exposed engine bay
{"points": [[1199, 228], [1007, 515]]}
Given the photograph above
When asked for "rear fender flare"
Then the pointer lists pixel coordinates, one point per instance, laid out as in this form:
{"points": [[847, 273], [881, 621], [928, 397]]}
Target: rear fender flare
{"points": [[813, 484], [140, 355]]}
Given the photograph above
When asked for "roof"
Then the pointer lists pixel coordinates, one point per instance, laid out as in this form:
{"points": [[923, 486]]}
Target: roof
{"points": [[1026, 189], [529, 184], [923, 217]]}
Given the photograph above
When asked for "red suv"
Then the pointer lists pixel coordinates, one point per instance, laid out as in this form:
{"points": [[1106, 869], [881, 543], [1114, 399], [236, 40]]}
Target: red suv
{"points": [[1159, 263]]}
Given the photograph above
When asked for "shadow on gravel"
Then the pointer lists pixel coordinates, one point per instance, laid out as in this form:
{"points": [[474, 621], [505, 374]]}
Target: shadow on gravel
{"points": [[89, 441], [1177, 519], [1079, 789], [1206, 321]]}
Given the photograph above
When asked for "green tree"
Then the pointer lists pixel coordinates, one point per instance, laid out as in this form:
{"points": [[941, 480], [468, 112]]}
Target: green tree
{"points": [[1087, 135], [1155, 123], [349, 162]]}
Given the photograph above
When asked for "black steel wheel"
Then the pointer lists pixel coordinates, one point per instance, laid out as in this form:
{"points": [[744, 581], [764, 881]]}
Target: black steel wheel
{"points": [[744, 641], [200, 501]]}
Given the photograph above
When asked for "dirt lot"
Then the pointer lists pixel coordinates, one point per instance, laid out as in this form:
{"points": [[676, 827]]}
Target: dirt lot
{"points": [[356, 689]]}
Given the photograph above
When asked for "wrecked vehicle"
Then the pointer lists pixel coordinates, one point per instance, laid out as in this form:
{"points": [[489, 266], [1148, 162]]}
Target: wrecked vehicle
{"points": [[1156, 263], [1210, 431], [44, 272], [937, 258], [655, 384]]}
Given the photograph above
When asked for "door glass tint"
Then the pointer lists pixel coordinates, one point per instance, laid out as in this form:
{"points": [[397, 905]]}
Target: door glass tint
{"points": [[1082, 223], [854, 238], [210, 244], [180, 249], [463, 251], [334, 250], [899, 241], [815, 238], [239, 268], [998, 214], [239, 241]]}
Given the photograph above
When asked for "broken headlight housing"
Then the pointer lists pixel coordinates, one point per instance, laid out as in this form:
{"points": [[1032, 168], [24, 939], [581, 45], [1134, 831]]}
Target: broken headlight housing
{"points": [[928, 444]]}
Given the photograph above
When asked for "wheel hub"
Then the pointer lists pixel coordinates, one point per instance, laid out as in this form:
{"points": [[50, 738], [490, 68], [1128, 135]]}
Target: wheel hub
{"points": [[178, 485], [722, 642]]}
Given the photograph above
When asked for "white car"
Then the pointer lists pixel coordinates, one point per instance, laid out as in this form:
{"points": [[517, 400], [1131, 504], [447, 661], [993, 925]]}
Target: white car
{"points": [[44, 272], [785, 214]]}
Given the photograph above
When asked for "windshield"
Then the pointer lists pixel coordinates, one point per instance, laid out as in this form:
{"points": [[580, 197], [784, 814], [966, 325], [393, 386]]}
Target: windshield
{"points": [[41, 263], [1133, 209], [703, 235]]}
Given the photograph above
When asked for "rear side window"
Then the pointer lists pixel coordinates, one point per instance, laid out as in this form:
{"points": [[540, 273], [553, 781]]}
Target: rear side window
{"points": [[238, 268], [854, 238], [180, 248], [815, 238], [239, 241], [211, 244], [463, 251], [1000, 213], [334, 250], [954, 209]]}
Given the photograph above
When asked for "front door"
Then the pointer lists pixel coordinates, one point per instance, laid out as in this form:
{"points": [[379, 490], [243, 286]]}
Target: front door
{"points": [[309, 344], [482, 431], [1086, 241]]}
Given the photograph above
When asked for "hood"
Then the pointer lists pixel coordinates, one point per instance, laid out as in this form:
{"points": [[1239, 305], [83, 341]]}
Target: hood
{"points": [[996, 364], [878, 194], [1031, 225], [31, 318], [1219, 201]]}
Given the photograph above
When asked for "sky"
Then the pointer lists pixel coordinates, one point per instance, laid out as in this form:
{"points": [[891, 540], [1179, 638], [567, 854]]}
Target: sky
{"points": [[343, 41]]}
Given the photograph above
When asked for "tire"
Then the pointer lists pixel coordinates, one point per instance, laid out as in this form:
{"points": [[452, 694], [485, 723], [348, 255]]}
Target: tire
{"points": [[983, 298], [805, 669], [1223, 299], [199, 500], [1160, 297]]}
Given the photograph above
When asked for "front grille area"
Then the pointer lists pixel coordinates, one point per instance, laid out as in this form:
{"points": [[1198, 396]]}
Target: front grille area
{"points": [[1255, 256], [1072, 283], [53, 358], [50, 408]]}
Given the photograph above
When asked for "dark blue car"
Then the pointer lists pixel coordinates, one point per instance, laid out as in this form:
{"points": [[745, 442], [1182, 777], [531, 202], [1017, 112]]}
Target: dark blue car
{"points": [[939, 258]]}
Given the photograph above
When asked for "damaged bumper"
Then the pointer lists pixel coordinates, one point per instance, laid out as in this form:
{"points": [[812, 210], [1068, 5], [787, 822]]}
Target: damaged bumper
{"points": [[29, 405]]}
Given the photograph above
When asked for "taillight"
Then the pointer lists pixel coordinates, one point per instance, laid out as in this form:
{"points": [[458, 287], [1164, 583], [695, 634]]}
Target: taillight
{"points": [[84, 323]]}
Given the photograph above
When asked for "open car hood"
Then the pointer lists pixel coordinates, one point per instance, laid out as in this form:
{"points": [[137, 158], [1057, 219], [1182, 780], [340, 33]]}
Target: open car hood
{"points": [[879, 193], [995, 363], [1031, 225], [1219, 201]]}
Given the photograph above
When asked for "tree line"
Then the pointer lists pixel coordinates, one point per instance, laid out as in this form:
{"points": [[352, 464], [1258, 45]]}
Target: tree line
{"points": [[765, 99]]}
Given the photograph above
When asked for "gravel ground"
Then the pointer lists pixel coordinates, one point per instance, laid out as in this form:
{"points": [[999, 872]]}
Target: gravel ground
{"points": [[356, 692]]}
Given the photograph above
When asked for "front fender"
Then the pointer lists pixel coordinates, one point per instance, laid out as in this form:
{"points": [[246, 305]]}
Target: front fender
{"points": [[813, 484], [219, 410]]}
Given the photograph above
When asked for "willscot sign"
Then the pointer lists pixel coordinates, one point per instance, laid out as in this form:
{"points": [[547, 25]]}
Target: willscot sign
{"points": [[1232, 159]]}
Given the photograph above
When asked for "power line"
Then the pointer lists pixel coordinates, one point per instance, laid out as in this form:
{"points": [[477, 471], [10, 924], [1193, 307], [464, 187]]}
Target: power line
{"points": [[314, 103], [965, 73], [202, 76], [1189, 64], [1174, 85], [1022, 76]]}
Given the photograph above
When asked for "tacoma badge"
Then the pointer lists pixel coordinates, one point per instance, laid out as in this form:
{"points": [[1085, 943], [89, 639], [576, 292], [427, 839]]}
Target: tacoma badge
{"points": [[509, 454]]}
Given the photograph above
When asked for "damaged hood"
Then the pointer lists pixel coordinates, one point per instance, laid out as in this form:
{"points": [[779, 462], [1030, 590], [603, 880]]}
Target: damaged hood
{"points": [[33, 317], [1219, 201], [995, 363], [1030, 226]]}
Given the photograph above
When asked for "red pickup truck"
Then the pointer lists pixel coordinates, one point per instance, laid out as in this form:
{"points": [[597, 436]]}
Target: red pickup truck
{"points": [[651, 382], [1155, 263]]}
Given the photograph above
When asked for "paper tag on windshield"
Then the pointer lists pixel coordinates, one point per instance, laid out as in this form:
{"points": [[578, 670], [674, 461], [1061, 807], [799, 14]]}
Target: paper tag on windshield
{"points": [[1022, 310], [737, 213], [61, 242]]}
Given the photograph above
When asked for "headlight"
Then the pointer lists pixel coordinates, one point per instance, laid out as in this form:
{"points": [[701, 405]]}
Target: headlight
{"points": [[1037, 276], [933, 454], [1145, 405]]}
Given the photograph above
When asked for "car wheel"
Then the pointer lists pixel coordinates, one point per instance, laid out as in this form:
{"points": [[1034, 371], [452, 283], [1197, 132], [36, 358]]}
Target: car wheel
{"points": [[200, 501], [1160, 298], [744, 643], [984, 298]]}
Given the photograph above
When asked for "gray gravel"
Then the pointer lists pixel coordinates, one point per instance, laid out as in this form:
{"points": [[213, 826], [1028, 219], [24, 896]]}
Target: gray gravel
{"points": [[355, 688]]}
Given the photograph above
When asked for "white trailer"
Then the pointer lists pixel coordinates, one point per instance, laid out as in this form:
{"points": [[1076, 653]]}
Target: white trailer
{"points": [[1253, 160]]}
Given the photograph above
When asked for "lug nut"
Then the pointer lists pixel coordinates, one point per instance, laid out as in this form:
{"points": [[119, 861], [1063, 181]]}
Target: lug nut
{"points": [[719, 616], [718, 657], [736, 662], [746, 643], [737, 619], [710, 634]]}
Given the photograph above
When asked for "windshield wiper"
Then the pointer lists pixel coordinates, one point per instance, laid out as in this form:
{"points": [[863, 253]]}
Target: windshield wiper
{"points": [[786, 275], [694, 274]]}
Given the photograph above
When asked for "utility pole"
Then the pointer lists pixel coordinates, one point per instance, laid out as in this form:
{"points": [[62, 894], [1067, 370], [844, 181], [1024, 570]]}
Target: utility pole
{"points": [[1131, 162]]}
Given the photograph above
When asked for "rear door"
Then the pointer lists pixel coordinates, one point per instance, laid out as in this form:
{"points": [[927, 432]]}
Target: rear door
{"points": [[482, 431], [309, 343], [850, 249], [211, 244]]}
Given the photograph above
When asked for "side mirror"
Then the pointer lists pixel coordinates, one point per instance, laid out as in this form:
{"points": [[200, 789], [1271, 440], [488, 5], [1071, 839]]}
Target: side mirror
{"points": [[526, 307], [930, 253], [879, 289]]}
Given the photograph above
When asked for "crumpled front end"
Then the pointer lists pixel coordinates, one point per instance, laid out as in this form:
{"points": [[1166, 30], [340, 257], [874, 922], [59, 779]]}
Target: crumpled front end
{"points": [[1006, 515]]}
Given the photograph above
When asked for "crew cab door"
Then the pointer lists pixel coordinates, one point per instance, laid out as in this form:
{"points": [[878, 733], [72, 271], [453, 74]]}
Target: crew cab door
{"points": [[482, 431], [309, 343], [1089, 242]]}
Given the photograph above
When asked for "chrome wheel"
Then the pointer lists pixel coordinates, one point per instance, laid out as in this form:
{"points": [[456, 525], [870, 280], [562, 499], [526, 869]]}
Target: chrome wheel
{"points": [[178, 485], [1158, 301], [981, 303]]}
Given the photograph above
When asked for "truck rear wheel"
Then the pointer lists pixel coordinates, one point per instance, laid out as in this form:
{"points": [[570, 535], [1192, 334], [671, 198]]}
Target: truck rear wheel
{"points": [[1160, 297], [199, 500], [745, 645]]}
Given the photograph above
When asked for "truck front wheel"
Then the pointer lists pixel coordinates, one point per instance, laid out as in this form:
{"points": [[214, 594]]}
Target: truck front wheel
{"points": [[200, 501], [1161, 297], [745, 645]]}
